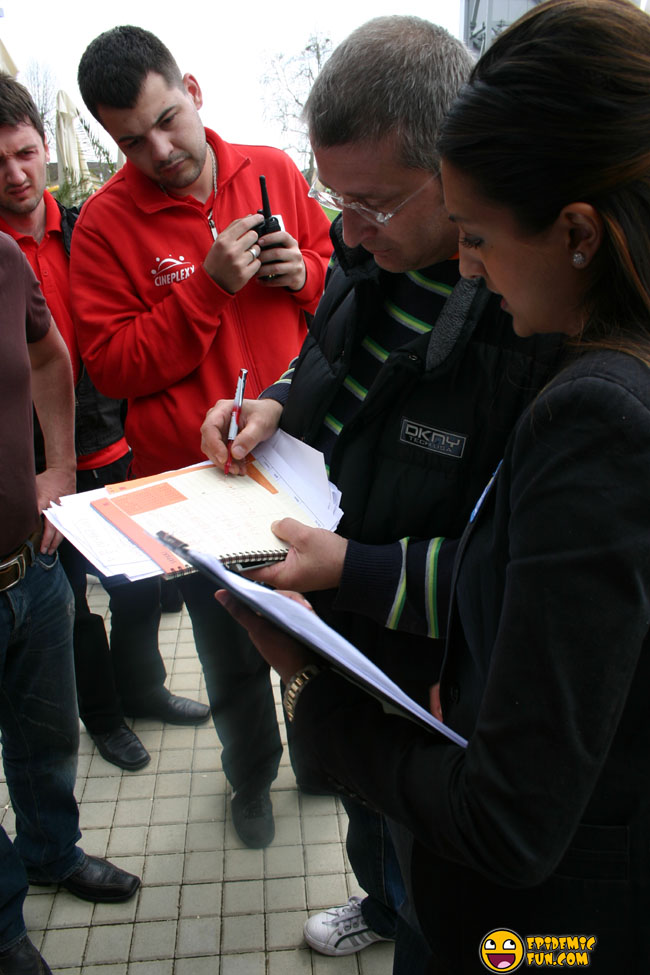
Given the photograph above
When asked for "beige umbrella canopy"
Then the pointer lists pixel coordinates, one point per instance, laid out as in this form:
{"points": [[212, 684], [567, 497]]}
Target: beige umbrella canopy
{"points": [[69, 149], [6, 61]]}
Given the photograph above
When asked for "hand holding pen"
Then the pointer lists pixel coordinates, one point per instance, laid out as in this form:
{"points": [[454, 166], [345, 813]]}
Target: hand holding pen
{"points": [[233, 430]]}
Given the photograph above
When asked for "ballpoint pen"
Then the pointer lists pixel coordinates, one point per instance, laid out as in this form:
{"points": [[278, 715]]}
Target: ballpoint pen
{"points": [[233, 429]]}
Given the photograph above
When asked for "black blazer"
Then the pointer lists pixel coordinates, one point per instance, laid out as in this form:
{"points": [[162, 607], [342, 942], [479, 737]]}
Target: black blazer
{"points": [[543, 824]]}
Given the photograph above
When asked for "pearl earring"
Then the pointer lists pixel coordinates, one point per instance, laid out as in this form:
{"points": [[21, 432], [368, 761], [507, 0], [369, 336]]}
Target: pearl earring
{"points": [[578, 259]]}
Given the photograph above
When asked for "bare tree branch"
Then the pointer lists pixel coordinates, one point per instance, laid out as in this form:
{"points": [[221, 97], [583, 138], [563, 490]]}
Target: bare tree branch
{"points": [[41, 84], [287, 83]]}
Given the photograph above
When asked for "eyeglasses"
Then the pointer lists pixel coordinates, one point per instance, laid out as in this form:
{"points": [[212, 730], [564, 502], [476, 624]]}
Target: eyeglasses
{"points": [[327, 197]]}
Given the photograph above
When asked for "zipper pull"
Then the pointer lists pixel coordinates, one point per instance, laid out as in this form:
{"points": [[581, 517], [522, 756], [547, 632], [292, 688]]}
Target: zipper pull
{"points": [[212, 227]]}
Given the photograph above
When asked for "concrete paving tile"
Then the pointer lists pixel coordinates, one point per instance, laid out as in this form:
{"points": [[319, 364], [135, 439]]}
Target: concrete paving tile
{"points": [[242, 933], [204, 867], [139, 786], [172, 784], [250, 963], [153, 939], [200, 966], [201, 900], [109, 943], [132, 812], [37, 908], [207, 809], [208, 784], [207, 759], [121, 969], [317, 805], [285, 778], [286, 802], [96, 815], [325, 965], [158, 903], [285, 894], [64, 947], [294, 962], [164, 869], [284, 861], [321, 829], [175, 760], [284, 929], [377, 959], [325, 891], [324, 858], [203, 836], [102, 787], [173, 737], [159, 967], [243, 864], [288, 831], [172, 809], [124, 913], [198, 936], [151, 739], [70, 912], [166, 839], [95, 841], [127, 840], [243, 897]]}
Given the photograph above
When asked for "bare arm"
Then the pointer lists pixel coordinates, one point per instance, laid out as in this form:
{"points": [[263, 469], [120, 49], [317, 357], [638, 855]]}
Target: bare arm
{"points": [[53, 396]]}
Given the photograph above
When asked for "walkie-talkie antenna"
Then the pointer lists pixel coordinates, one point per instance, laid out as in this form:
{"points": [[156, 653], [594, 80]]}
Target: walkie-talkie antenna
{"points": [[266, 206]]}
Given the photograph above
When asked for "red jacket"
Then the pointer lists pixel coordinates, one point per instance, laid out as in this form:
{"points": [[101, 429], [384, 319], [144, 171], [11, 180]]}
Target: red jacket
{"points": [[153, 327]]}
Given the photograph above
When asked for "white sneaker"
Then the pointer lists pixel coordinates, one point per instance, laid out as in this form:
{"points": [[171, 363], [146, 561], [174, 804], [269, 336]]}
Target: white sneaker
{"points": [[341, 930]]}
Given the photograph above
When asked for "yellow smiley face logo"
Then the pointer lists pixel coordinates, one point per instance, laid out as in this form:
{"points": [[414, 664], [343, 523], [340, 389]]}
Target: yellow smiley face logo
{"points": [[502, 950]]}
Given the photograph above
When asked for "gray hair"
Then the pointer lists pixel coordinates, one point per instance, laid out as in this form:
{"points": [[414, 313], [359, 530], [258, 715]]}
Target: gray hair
{"points": [[392, 76]]}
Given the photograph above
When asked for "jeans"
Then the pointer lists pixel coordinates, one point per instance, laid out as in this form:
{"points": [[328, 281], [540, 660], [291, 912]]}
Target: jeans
{"points": [[239, 688], [39, 723], [385, 910]]}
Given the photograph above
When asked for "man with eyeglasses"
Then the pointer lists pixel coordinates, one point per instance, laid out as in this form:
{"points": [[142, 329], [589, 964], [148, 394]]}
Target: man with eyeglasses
{"points": [[409, 382]]}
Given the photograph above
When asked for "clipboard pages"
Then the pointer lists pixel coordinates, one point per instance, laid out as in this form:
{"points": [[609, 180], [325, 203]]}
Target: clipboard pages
{"points": [[226, 515], [310, 629]]}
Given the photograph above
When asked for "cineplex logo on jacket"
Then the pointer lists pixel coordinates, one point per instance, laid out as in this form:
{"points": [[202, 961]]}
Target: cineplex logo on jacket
{"points": [[168, 270]]}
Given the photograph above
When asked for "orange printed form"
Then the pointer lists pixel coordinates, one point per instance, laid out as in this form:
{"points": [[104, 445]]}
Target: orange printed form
{"points": [[229, 517]]}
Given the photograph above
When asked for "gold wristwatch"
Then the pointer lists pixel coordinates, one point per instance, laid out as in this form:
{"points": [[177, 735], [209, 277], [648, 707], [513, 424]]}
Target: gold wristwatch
{"points": [[294, 687]]}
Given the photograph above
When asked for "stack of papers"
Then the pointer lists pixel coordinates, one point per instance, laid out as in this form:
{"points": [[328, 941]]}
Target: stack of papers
{"points": [[115, 527]]}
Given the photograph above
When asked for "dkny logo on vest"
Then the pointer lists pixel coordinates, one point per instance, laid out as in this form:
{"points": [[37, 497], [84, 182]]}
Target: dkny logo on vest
{"points": [[430, 438], [169, 269]]}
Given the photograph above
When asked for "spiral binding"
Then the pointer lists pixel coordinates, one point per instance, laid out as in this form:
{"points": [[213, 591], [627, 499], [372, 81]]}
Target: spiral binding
{"points": [[246, 558]]}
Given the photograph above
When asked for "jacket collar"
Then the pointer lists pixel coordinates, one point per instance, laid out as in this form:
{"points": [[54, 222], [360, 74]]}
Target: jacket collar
{"points": [[148, 196]]}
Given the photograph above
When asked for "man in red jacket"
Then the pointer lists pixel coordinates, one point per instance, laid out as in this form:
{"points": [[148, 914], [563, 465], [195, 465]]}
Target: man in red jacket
{"points": [[129, 675], [174, 292]]}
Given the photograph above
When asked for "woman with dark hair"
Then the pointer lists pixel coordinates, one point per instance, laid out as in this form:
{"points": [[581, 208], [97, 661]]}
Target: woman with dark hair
{"points": [[532, 846]]}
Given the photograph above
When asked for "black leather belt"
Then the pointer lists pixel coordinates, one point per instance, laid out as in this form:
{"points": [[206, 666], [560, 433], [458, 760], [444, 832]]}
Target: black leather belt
{"points": [[14, 566]]}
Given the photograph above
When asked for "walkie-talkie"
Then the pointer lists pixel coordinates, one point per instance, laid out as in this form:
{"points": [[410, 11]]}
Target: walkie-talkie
{"points": [[271, 223]]}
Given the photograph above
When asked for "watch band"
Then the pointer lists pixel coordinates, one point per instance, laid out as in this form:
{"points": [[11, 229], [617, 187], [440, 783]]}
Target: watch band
{"points": [[293, 689]]}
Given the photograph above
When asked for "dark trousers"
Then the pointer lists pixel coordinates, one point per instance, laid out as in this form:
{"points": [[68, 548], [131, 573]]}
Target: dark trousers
{"points": [[112, 676], [239, 688]]}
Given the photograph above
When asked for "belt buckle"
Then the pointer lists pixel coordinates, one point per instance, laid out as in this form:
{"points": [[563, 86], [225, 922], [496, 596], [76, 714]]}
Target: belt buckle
{"points": [[20, 563]]}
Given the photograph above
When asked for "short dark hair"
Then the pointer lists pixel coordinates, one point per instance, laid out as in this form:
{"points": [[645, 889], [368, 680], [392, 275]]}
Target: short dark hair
{"points": [[17, 105], [557, 111], [114, 66], [394, 76]]}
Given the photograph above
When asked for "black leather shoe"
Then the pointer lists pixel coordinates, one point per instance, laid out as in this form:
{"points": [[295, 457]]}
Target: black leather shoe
{"points": [[23, 959], [100, 881], [252, 817], [123, 748], [170, 708]]}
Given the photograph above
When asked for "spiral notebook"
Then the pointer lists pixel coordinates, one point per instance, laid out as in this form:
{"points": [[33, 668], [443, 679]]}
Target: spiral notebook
{"points": [[226, 515]]}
